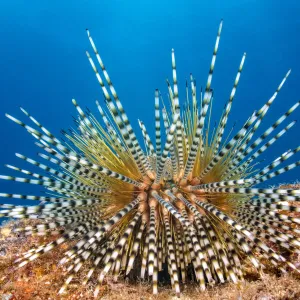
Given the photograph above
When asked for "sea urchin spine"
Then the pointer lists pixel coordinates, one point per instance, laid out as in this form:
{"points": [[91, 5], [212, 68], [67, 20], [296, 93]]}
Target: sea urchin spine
{"points": [[188, 207]]}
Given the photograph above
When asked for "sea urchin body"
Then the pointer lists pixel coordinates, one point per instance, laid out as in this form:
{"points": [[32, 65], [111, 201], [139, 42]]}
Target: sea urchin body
{"points": [[189, 207]]}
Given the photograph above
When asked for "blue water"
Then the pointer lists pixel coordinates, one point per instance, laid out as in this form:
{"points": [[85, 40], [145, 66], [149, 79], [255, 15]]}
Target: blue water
{"points": [[43, 62]]}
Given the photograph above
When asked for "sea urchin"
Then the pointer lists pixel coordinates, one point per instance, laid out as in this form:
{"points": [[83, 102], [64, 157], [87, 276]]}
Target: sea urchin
{"points": [[188, 207]]}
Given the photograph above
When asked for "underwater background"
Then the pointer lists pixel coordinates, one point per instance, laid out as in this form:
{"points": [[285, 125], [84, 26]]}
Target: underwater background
{"points": [[43, 64]]}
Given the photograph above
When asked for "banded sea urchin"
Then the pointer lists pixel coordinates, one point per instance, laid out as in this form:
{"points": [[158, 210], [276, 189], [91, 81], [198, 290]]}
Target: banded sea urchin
{"points": [[189, 207]]}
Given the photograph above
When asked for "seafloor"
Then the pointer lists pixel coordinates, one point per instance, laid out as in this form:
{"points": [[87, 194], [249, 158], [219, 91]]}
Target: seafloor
{"points": [[42, 278]]}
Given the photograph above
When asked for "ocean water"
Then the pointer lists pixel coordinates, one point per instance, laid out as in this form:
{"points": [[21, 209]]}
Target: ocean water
{"points": [[44, 66]]}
